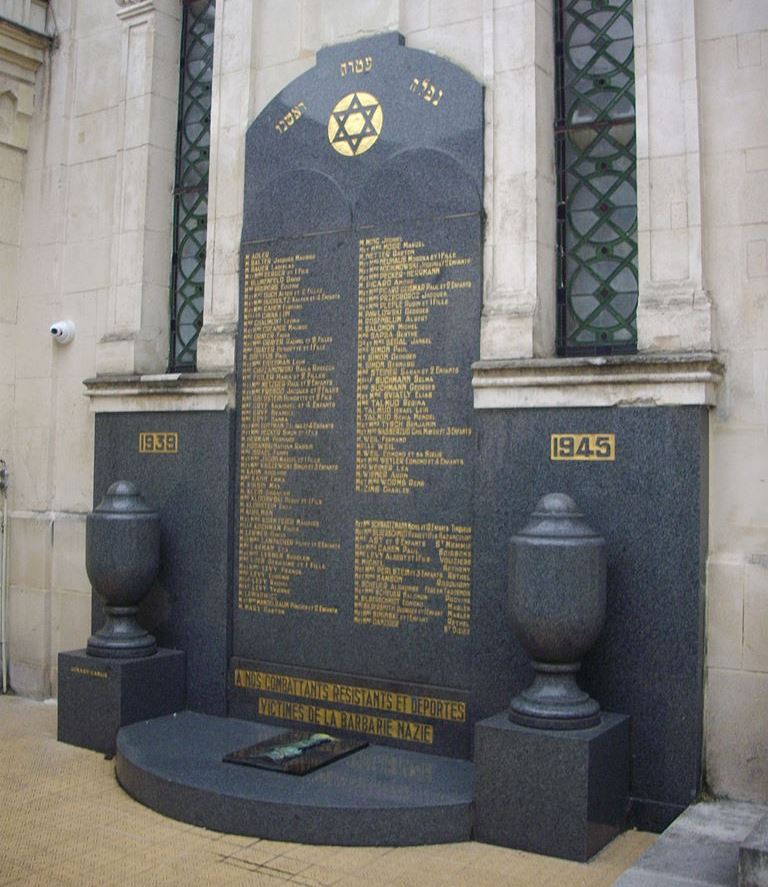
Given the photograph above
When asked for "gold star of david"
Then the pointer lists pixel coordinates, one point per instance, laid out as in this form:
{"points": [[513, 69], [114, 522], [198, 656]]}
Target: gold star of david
{"points": [[355, 123]]}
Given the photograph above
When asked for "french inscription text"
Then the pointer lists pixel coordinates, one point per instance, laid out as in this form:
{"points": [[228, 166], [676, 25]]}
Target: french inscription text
{"points": [[408, 573], [356, 722], [288, 407], [372, 698], [400, 286]]}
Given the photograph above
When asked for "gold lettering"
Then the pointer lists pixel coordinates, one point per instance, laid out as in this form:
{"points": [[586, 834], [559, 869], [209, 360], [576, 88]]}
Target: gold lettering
{"points": [[159, 442], [582, 447], [354, 695], [88, 672], [355, 722], [407, 573], [427, 90], [356, 66], [290, 117], [291, 387], [399, 287]]}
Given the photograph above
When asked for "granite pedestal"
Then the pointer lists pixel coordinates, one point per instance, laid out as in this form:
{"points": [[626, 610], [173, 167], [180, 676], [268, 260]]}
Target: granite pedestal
{"points": [[558, 792], [97, 696], [375, 797]]}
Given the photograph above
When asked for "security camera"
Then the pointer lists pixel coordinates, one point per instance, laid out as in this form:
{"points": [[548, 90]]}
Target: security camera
{"points": [[63, 331]]}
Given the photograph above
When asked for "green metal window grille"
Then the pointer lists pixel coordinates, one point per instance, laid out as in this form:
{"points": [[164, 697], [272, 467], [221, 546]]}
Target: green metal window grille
{"points": [[596, 177], [190, 193]]}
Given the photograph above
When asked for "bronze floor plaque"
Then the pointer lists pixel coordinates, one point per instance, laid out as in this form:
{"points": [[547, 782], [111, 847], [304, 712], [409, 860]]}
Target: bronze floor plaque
{"points": [[295, 752]]}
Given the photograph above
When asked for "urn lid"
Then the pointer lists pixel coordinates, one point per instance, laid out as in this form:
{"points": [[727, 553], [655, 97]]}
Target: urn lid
{"points": [[123, 497], [557, 515]]}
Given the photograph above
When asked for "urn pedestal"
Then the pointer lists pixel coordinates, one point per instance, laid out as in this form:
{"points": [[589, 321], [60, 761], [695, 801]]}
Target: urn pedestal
{"points": [[98, 696], [558, 792], [121, 677], [552, 773]]}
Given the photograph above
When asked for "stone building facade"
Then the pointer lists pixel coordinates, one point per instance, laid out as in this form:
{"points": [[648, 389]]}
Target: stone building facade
{"points": [[88, 122]]}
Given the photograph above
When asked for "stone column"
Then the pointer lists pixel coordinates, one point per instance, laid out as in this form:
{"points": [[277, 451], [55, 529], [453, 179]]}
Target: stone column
{"points": [[134, 332], [22, 50], [519, 310], [674, 309], [235, 28]]}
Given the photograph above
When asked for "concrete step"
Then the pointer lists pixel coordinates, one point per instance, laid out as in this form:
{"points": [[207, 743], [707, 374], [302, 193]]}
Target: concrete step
{"points": [[753, 857], [702, 848]]}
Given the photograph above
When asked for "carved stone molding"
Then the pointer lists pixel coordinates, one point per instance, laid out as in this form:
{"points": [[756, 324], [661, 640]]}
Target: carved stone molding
{"points": [[127, 9], [21, 47], [22, 51], [651, 379], [129, 393]]}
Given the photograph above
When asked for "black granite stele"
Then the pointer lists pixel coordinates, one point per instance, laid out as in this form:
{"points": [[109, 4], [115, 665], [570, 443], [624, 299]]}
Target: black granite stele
{"points": [[375, 797], [97, 696], [327, 205], [559, 793]]}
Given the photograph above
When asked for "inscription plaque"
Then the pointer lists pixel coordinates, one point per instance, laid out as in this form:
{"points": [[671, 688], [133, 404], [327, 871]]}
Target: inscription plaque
{"points": [[296, 753], [158, 442], [582, 447], [420, 717], [361, 287]]}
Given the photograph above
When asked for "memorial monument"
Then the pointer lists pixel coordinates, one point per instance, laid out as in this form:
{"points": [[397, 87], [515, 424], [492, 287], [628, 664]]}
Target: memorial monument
{"points": [[334, 551]]}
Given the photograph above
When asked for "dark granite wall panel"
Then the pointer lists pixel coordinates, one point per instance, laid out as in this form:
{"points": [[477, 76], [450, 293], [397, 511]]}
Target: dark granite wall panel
{"points": [[187, 608], [651, 506]]}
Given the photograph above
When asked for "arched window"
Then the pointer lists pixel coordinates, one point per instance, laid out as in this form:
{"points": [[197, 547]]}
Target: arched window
{"points": [[190, 194], [596, 181]]}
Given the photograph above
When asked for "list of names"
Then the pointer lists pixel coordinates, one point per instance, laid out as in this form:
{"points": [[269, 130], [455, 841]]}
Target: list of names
{"points": [[400, 285], [288, 405]]}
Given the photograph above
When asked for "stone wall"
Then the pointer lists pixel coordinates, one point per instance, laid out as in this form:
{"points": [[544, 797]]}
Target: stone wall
{"points": [[732, 49], [87, 129]]}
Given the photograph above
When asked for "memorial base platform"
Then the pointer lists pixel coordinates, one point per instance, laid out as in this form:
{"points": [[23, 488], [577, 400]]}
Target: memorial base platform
{"points": [[378, 796]]}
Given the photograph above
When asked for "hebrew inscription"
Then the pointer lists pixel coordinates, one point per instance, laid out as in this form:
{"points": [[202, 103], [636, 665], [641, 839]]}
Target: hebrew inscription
{"points": [[356, 66], [428, 91], [287, 120]]}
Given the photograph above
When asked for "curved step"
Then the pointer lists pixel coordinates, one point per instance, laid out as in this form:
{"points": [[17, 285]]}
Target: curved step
{"points": [[378, 796]]}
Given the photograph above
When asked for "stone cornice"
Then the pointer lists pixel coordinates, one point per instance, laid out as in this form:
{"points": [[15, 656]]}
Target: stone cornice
{"points": [[22, 46], [650, 379], [127, 9], [160, 393]]}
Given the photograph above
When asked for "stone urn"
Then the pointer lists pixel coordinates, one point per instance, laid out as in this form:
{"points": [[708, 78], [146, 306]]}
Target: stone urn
{"points": [[122, 557], [556, 608]]}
